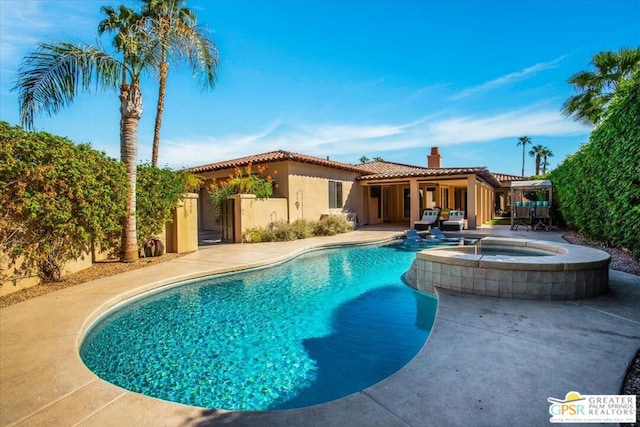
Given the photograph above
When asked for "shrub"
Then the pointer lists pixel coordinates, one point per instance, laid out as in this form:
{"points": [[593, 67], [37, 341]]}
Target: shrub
{"points": [[57, 200], [281, 231], [158, 192], [331, 225], [258, 235], [302, 229], [243, 181]]}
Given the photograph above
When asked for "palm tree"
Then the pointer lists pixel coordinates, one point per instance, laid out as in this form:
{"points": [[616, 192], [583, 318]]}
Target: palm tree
{"points": [[545, 154], [364, 159], [537, 151], [596, 88], [178, 39], [50, 77], [523, 140]]}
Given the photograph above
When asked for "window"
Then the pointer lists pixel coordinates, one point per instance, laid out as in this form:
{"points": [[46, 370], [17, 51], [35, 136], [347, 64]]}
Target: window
{"points": [[335, 194]]}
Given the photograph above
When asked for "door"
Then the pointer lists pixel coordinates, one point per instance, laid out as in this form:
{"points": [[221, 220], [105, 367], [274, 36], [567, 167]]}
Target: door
{"points": [[386, 204], [226, 221]]}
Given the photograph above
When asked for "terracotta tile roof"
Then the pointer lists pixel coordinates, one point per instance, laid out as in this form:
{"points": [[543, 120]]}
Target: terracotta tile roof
{"points": [[502, 177], [273, 156], [387, 170], [370, 171]]}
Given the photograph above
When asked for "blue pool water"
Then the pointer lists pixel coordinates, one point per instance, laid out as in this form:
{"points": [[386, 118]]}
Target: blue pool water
{"points": [[321, 326]]}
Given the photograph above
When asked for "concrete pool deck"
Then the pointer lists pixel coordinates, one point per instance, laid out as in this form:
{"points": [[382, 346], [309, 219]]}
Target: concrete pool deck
{"points": [[488, 361]]}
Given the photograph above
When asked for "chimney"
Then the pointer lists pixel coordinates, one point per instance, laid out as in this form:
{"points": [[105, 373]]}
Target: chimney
{"points": [[434, 159]]}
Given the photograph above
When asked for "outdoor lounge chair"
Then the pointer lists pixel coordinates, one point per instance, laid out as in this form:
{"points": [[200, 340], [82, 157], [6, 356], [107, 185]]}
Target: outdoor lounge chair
{"points": [[413, 240], [439, 235], [455, 221], [522, 217], [413, 235], [429, 219]]}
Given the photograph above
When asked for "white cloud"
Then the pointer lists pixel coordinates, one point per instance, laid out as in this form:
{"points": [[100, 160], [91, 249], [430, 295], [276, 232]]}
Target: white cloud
{"points": [[508, 78], [333, 140], [460, 130]]}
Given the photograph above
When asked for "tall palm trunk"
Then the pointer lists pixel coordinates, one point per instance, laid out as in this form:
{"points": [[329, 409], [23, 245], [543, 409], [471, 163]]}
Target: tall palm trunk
{"points": [[164, 71], [131, 111], [523, 150], [537, 164]]}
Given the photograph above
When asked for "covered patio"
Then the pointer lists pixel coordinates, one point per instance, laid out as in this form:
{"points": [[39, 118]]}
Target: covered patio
{"points": [[400, 196]]}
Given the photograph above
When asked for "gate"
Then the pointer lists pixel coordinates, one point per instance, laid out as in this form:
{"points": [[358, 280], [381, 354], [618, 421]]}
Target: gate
{"points": [[226, 221]]}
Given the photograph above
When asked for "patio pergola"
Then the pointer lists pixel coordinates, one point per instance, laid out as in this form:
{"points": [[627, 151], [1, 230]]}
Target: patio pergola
{"points": [[518, 190]]}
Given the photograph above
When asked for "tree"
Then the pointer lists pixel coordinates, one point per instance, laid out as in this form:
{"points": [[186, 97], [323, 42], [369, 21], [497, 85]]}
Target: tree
{"points": [[535, 151], [50, 77], [364, 159], [523, 140], [178, 39], [596, 88], [545, 154], [378, 159], [540, 152]]}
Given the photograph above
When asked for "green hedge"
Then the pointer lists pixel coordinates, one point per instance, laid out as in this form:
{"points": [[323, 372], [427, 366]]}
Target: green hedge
{"points": [[158, 191], [57, 199], [597, 189]]}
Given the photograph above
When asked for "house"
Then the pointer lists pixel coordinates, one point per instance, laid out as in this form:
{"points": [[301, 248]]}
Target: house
{"points": [[376, 192]]}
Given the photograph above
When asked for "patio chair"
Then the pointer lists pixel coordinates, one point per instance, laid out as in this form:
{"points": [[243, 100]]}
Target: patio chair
{"points": [[429, 218], [522, 217], [541, 215], [455, 221]]}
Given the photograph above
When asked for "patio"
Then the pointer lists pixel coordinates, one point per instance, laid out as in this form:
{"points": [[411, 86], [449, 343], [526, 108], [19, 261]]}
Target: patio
{"points": [[488, 361]]}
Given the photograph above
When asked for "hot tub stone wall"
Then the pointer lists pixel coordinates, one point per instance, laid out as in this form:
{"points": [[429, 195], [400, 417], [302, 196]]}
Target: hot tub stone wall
{"points": [[568, 273]]}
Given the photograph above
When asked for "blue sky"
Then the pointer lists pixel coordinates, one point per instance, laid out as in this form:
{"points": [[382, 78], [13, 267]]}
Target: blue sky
{"points": [[347, 78]]}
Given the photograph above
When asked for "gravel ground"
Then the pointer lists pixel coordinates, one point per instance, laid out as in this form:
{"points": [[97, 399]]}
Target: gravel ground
{"points": [[620, 260], [98, 270]]}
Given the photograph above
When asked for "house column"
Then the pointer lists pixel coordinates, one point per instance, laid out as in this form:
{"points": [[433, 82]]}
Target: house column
{"points": [[414, 196], [471, 201]]}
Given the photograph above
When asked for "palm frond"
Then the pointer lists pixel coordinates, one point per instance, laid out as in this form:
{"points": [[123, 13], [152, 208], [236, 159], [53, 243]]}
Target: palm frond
{"points": [[50, 77]]}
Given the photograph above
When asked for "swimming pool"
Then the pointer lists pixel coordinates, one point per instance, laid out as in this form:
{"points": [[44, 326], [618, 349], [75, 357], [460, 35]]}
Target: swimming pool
{"points": [[319, 327]]}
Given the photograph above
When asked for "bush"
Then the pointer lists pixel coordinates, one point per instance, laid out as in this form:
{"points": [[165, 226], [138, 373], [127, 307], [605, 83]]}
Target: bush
{"points": [[158, 192], [597, 189], [57, 200], [302, 229], [258, 235], [243, 181], [282, 231], [331, 225]]}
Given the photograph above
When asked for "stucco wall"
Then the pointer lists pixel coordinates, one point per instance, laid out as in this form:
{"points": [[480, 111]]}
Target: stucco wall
{"points": [[70, 267], [308, 190], [182, 232], [251, 212]]}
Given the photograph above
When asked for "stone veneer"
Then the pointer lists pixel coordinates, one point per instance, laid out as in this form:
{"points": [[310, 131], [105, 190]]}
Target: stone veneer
{"points": [[569, 272]]}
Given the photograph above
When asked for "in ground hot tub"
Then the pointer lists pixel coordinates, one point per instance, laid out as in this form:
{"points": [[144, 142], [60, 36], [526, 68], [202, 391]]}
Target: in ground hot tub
{"points": [[514, 268]]}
